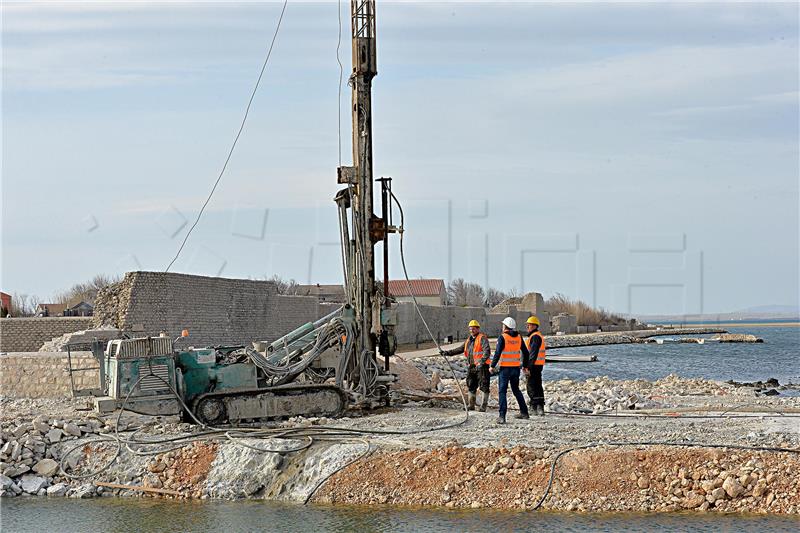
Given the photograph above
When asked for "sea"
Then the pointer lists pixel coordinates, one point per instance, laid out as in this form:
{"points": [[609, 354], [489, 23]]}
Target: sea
{"points": [[777, 357], [32, 514]]}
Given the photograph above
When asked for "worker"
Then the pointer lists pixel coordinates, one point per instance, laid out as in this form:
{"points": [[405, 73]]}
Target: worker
{"points": [[477, 351], [512, 355], [536, 349]]}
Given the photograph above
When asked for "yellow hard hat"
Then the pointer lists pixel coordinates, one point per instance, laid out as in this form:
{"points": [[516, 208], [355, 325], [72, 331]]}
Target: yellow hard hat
{"points": [[474, 324], [533, 320]]}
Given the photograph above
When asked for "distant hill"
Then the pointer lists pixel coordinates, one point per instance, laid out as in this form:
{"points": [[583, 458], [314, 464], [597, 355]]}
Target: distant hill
{"points": [[761, 312], [793, 310]]}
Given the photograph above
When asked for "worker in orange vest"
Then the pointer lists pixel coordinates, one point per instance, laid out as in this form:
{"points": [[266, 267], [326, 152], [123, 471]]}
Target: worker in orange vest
{"points": [[536, 348], [477, 351], [512, 355]]}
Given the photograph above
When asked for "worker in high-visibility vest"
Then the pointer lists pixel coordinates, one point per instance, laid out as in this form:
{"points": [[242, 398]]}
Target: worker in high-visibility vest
{"points": [[477, 351], [536, 347], [511, 355]]}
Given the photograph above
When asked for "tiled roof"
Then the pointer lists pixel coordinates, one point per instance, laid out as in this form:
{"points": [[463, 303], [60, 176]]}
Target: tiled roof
{"points": [[421, 287]]}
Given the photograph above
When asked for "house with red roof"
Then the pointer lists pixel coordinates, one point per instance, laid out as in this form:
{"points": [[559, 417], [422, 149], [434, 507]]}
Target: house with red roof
{"points": [[426, 291]]}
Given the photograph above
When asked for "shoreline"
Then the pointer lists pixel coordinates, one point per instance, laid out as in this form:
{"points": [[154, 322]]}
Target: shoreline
{"points": [[668, 409]]}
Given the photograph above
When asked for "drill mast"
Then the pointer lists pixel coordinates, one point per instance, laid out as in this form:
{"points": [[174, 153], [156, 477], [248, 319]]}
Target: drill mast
{"points": [[360, 228]]}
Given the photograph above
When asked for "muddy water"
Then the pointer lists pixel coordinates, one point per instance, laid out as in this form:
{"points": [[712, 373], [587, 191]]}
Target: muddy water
{"points": [[146, 515]]}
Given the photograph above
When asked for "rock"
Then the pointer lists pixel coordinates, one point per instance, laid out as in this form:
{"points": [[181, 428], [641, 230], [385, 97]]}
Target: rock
{"points": [[82, 492], [54, 435], [158, 466], [59, 489], [436, 380], [693, 499], [32, 484], [643, 482], [770, 498], [5, 482], [41, 427], [17, 470], [151, 481], [46, 467], [760, 489], [717, 494], [72, 429], [732, 487]]}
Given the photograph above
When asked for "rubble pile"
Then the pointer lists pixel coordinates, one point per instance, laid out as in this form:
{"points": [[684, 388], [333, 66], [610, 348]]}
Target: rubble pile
{"points": [[30, 453], [81, 340], [652, 479], [112, 302]]}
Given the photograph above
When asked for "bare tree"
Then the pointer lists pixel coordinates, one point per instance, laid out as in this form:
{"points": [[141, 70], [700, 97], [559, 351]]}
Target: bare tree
{"points": [[86, 291], [23, 305], [465, 294], [289, 287], [494, 297]]}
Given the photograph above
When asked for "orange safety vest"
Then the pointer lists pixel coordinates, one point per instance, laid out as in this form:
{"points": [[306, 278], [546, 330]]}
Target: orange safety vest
{"points": [[512, 351], [477, 353], [540, 357]]}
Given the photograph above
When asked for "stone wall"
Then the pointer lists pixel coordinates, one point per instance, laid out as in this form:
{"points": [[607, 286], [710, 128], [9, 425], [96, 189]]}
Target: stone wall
{"points": [[28, 334], [44, 375], [214, 310], [237, 311], [449, 321]]}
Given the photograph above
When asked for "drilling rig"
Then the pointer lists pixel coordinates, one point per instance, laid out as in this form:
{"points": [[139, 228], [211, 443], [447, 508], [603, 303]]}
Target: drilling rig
{"points": [[318, 369]]}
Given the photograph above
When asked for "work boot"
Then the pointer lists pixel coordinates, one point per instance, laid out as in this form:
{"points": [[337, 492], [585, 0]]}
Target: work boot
{"points": [[501, 420], [484, 402], [471, 406], [540, 410], [522, 416]]}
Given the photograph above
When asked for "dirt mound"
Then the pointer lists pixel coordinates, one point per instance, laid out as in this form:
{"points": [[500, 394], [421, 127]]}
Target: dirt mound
{"points": [[610, 479]]}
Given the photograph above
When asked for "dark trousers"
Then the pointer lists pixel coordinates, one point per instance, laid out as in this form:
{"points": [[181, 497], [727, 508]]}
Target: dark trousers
{"points": [[535, 389], [478, 378], [510, 376]]}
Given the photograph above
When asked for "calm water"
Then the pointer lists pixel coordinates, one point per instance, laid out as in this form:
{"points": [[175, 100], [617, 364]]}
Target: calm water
{"points": [[778, 357], [112, 514]]}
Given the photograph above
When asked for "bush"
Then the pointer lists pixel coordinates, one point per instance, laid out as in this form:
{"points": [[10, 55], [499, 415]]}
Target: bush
{"points": [[586, 314]]}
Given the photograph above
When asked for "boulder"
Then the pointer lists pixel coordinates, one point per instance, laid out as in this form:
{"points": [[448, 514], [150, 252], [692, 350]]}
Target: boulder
{"points": [[408, 375], [72, 429], [17, 470], [84, 491], [5, 482], [151, 481], [693, 500], [732, 487], [59, 489], [32, 484], [46, 467], [54, 435]]}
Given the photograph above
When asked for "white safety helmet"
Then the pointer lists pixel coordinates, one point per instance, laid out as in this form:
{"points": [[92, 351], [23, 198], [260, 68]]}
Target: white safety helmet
{"points": [[510, 323]]}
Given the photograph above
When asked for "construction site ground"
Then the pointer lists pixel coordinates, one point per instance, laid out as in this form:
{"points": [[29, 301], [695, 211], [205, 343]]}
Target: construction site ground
{"points": [[403, 458]]}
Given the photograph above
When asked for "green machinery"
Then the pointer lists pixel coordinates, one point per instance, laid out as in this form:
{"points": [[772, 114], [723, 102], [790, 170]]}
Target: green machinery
{"points": [[236, 384], [319, 368]]}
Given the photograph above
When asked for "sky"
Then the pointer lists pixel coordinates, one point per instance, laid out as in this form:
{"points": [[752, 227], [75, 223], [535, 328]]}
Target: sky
{"points": [[642, 157]]}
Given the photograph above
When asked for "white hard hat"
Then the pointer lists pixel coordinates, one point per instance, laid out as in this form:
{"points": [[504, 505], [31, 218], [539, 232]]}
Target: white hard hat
{"points": [[510, 323]]}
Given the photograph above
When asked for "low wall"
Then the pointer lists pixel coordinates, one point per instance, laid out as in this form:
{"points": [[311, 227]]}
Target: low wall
{"points": [[44, 375], [448, 321], [28, 334], [214, 310]]}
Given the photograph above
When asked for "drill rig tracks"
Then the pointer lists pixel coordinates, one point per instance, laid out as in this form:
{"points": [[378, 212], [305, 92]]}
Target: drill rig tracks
{"points": [[271, 403]]}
